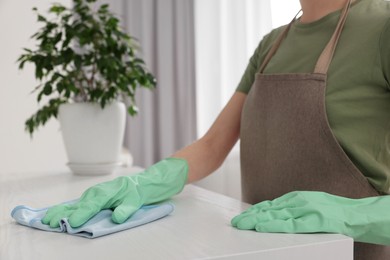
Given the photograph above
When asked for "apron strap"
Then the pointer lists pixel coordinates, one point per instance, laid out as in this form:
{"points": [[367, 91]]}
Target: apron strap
{"points": [[277, 44], [325, 59], [326, 55]]}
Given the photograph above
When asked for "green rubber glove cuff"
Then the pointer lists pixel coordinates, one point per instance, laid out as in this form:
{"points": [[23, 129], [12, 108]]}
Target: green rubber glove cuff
{"points": [[162, 180]]}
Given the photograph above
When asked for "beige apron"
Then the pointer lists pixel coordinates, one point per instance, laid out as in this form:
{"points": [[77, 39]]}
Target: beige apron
{"points": [[287, 143]]}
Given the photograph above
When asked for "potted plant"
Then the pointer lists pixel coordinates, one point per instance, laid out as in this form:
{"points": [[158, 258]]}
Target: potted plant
{"points": [[85, 65]]}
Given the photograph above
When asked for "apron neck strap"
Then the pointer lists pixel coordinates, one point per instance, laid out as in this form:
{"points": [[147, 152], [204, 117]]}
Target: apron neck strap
{"points": [[323, 62], [326, 55], [277, 43]]}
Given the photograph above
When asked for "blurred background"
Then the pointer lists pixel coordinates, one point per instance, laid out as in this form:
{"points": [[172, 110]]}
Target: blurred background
{"points": [[198, 51]]}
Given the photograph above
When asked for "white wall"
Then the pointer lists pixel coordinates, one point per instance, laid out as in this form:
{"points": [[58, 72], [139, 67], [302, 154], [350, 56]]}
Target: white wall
{"points": [[283, 11], [18, 152]]}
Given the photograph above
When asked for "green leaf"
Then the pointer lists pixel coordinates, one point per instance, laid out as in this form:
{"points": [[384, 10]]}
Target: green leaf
{"points": [[132, 110], [57, 38], [21, 64], [103, 9], [38, 72], [43, 115], [41, 18], [67, 93], [103, 102], [112, 23], [39, 97], [47, 90], [139, 61], [60, 87], [57, 9], [30, 126], [78, 62]]}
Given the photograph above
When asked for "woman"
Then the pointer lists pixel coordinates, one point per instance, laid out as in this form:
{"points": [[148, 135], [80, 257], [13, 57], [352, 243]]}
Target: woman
{"points": [[312, 113]]}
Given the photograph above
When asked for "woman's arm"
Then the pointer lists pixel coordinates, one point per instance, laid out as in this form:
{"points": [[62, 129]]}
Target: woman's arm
{"points": [[126, 194], [206, 154]]}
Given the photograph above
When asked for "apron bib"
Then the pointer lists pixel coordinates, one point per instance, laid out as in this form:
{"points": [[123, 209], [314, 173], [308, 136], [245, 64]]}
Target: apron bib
{"points": [[287, 143]]}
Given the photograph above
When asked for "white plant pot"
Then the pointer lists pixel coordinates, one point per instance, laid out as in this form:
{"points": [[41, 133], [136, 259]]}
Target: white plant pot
{"points": [[93, 136]]}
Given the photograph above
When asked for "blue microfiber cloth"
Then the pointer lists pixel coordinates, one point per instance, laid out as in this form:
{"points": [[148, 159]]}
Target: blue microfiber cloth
{"points": [[100, 225]]}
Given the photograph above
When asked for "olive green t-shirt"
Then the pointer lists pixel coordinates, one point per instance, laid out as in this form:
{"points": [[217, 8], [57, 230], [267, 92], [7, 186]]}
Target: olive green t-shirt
{"points": [[358, 85]]}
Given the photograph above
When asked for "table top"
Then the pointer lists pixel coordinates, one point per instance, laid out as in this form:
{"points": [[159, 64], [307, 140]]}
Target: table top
{"points": [[199, 228]]}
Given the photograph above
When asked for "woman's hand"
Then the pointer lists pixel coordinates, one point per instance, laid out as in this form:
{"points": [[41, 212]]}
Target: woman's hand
{"points": [[125, 194], [119, 194], [365, 220]]}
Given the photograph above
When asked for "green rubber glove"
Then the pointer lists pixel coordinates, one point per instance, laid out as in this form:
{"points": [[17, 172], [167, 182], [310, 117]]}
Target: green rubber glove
{"points": [[125, 194], [365, 220]]}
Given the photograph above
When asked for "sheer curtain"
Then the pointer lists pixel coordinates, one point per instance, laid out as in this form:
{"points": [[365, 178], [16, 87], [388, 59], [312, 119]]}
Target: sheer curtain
{"points": [[227, 33], [167, 117]]}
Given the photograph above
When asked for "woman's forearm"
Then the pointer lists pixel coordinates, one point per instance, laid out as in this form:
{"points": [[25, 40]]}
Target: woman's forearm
{"points": [[208, 153]]}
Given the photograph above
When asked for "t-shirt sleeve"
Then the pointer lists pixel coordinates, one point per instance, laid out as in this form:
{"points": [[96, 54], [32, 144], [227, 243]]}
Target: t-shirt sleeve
{"points": [[385, 52], [249, 75], [256, 60]]}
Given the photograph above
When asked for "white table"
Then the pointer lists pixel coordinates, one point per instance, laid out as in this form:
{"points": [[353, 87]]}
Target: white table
{"points": [[199, 228]]}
